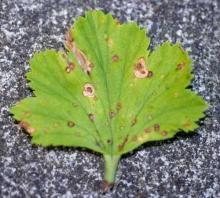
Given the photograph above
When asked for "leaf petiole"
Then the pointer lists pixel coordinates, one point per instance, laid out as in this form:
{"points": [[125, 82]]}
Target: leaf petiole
{"points": [[111, 165]]}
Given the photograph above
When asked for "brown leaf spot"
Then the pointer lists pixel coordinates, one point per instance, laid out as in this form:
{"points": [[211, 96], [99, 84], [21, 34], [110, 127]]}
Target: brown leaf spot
{"points": [[156, 127], [89, 90], [91, 117], [70, 67], [133, 122], [109, 141], [121, 146], [164, 133], [27, 127], [111, 114], [115, 58], [180, 66], [140, 70], [70, 124], [147, 130], [150, 74]]}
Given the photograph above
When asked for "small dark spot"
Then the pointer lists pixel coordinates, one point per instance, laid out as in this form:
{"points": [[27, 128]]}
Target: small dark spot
{"points": [[164, 133], [181, 66], [111, 114], [150, 74], [89, 89], [109, 141], [156, 127], [134, 121], [115, 58], [91, 117], [70, 124]]}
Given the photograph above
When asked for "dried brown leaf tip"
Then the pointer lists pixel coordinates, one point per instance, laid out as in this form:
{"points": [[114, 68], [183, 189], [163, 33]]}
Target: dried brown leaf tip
{"points": [[89, 90], [83, 61], [140, 70], [27, 127]]}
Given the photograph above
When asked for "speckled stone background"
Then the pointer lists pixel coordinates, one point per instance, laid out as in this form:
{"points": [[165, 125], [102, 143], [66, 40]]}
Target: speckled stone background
{"points": [[187, 166]]}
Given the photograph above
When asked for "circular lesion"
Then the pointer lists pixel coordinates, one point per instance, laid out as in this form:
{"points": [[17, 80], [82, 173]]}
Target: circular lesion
{"points": [[88, 90], [140, 69]]}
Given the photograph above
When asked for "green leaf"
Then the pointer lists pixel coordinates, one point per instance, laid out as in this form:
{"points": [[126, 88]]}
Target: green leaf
{"points": [[107, 92]]}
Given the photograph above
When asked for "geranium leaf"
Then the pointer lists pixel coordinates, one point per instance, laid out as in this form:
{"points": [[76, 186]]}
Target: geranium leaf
{"points": [[107, 92]]}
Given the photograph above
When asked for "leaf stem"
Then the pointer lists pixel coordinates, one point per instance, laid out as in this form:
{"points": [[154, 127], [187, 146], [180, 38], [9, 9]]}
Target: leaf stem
{"points": [[111, 165]]}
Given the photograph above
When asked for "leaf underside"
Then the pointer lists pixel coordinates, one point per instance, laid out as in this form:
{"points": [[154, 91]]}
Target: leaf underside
{"points": [[106, 91]]}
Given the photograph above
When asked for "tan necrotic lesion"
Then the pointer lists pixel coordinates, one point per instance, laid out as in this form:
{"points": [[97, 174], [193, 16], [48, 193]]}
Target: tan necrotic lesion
{"points": [[88, 90], [140, 69], [83, 61]]}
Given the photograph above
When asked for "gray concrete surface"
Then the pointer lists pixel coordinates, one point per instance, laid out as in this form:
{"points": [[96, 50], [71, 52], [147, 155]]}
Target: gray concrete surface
{"points": [[187, 166]]}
